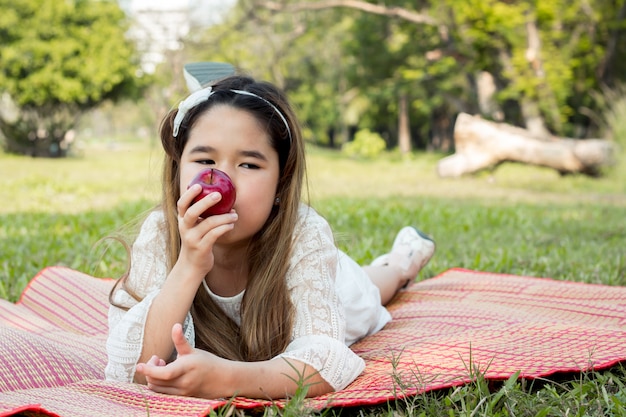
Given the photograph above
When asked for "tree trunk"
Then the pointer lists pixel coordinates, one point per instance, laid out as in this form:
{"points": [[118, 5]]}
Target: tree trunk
{"points": [[530, 109], [481, 144], [607, 66], [545, 94], [441, 135], [486, 90], [404, 131]]}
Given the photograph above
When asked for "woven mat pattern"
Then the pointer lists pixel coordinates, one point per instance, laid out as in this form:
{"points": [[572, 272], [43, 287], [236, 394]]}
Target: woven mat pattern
{"points": [[55, 334], [444, 330]]}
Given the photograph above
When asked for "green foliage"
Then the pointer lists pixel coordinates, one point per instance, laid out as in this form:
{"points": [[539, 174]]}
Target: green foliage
{"points": [[366, 144], [391, 60], [57, 60], [613, 113], [279, 48], [354, 77], [64, 52], [498, 33]]}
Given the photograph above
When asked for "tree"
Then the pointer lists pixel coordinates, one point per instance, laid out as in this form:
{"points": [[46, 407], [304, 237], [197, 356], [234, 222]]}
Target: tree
{"points": [[286, 49], [545, 58], [59, 59]]}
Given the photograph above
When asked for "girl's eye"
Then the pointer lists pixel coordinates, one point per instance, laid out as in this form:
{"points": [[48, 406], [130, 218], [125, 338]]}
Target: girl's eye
{"points": [[206, 161], [250, 166]]}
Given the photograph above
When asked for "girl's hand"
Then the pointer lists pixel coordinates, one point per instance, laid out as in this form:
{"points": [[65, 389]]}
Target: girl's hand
{"points": [[195, 373], [198, 236]]}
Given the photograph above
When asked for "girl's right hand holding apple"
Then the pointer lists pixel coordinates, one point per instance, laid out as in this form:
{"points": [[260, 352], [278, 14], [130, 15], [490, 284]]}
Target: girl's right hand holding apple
{"points": [[198, 235]]}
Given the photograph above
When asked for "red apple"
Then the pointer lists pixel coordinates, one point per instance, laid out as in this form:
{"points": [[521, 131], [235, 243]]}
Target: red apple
{"points": [[213, 180]]}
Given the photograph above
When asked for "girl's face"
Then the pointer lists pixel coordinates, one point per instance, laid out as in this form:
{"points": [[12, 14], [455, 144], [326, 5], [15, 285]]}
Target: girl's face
{"points": [[233, 141]]}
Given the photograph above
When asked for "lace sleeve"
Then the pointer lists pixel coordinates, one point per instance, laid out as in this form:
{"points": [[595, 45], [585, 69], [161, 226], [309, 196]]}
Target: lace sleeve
{"points": [[126, 323], [319, 330]]}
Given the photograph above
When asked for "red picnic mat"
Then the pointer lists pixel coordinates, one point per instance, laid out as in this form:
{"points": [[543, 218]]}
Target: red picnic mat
{"points": [[444, 331]]}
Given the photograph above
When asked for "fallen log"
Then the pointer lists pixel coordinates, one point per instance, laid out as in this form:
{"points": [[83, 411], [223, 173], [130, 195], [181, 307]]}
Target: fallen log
{"points": [[481, 144]]}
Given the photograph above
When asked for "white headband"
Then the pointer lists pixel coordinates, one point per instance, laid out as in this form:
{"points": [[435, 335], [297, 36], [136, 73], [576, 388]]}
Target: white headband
{"points": [[203, 95]]}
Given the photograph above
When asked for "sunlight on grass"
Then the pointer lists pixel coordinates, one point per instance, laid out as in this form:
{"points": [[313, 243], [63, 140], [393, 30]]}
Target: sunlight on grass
{"points": [[100, 179], [104, 177], [331, 175]]}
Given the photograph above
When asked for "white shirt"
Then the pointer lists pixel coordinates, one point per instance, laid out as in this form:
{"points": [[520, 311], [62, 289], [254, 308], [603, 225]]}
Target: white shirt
{"points": [[325, 287]]}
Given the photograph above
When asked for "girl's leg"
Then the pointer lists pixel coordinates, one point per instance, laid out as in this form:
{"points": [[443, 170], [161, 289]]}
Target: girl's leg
{"points": [[410, 252], [388, 279]]}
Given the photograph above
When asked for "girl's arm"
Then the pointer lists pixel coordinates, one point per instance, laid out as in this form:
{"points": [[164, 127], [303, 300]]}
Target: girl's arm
{"points": [[198, 373], [195, 260], [171, 305], [155, 300], [132, 300]]}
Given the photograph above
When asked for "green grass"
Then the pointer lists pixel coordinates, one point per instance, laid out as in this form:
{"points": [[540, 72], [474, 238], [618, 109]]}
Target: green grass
{"points": [[516, 219]]}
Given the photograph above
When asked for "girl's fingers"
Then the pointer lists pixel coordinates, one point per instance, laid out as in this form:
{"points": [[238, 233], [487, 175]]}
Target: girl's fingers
{"points": [[191, 211], [163, 389], [186, 199], [161, 375], [181, 344], [206, 231], [156, 361], [196, 209]]}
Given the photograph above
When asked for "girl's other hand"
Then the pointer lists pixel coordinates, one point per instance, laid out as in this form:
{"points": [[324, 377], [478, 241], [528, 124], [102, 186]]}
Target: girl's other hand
{"points": [[197, 373], [189, 375]]}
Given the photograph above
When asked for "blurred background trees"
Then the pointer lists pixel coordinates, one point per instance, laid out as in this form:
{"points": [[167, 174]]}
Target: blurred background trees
{"points": [[58, 59], [401, 70]]}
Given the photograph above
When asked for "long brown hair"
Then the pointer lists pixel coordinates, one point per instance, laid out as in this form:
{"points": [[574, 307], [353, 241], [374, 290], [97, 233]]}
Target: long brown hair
{"points": [[267, 313]]}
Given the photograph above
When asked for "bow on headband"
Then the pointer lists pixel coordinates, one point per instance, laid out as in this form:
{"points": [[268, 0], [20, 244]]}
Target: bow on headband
{"points": [[198, 74], [189, 103]]}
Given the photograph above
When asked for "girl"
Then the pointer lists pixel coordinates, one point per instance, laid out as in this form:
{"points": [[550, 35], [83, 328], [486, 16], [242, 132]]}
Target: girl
{"points": [[256, 301]]}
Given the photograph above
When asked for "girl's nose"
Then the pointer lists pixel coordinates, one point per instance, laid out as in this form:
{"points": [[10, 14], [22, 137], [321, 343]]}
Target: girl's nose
{"points": [[230, 173], [226, 170]]}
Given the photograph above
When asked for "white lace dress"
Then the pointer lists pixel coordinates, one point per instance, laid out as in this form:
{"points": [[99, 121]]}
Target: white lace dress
{"points": [[326, 287]]}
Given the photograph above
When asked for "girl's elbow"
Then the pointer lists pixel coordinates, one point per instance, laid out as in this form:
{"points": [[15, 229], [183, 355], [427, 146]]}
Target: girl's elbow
{"points": [[318, 388]]}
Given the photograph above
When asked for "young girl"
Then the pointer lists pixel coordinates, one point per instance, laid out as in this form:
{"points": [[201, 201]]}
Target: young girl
{"points": [[256, 301]]}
